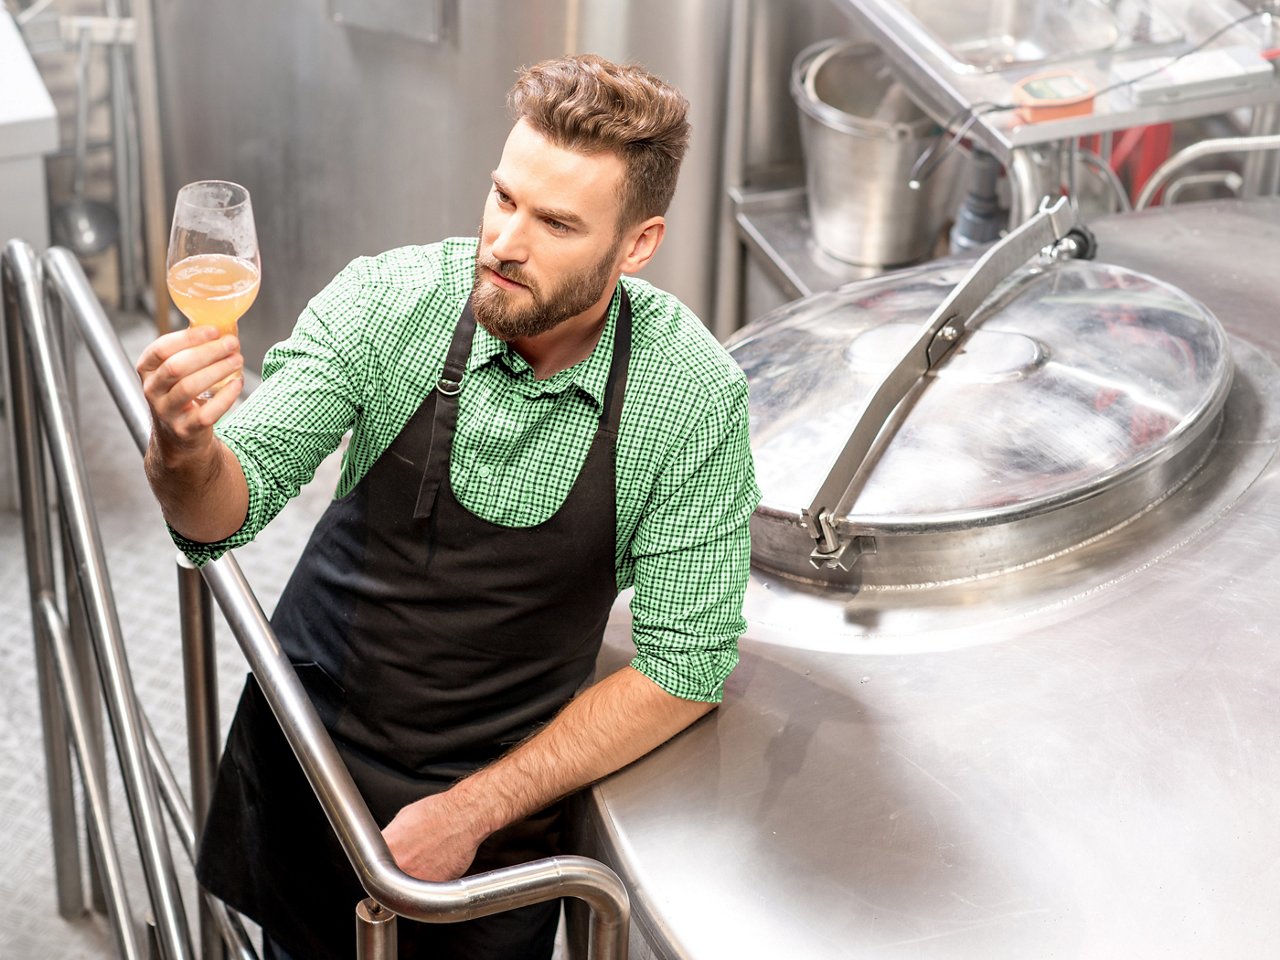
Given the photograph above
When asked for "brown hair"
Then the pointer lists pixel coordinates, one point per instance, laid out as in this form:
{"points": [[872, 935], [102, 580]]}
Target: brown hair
{"points": [[587, 104]]}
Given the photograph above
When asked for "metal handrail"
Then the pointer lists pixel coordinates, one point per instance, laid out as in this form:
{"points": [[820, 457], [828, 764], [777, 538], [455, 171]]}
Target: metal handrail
{"points": [[43, 387], [463, 899]]}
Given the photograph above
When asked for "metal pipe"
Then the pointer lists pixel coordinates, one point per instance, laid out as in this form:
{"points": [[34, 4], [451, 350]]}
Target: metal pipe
{"points": [[1110, 176], [1260, 171], [1197, 151], [64, 272], [95, 788], [62, 339], [19, 277], [153, 939], [729, 261], [105, 629], [89, 696], [1067, 171], [376, 932], [122, 163], [8, 455], [1027, 168], [462, 899], [227, 921], [153, 193], [200, 678], [1226, 178], [899, 385]]}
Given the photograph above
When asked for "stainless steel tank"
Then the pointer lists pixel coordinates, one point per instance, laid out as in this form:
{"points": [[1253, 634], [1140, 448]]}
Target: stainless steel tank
{"points": [[1045, 724]]}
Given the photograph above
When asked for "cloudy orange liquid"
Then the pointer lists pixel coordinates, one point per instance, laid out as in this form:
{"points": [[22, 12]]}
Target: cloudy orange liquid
{"points": [[213, 289]]}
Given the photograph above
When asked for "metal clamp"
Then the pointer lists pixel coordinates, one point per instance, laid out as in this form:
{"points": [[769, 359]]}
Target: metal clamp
{"points": [[1053, 231], [836, 552]]}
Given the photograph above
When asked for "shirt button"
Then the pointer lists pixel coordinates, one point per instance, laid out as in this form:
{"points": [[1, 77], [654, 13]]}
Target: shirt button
{"points": [[484, 471]]}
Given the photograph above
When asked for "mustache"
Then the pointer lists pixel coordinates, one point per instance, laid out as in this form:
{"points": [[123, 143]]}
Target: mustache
{"points": [[506, 269]]}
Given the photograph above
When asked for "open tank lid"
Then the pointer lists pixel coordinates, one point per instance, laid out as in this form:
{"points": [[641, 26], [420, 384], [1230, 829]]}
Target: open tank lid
{"points": [[1081, 394]]}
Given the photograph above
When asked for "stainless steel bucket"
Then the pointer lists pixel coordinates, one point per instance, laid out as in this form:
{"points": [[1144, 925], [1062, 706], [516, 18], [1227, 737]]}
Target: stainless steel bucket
{"points": [[861, 135]]}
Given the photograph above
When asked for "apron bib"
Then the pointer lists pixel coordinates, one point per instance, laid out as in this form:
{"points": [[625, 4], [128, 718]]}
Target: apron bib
{"points": [[431, 641]]}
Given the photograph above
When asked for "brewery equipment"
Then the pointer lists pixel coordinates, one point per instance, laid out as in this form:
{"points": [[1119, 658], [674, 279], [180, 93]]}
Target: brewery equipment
{"points": [[1035, 716]]}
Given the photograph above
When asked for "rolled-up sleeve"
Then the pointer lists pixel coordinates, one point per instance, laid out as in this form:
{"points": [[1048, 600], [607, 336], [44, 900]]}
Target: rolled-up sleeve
{"points": [[692, 554]]}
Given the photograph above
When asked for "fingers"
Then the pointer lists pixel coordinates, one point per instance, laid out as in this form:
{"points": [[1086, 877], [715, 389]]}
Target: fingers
{"points": [[208, 412], [427, 847], [178, 367], [164, 347]]}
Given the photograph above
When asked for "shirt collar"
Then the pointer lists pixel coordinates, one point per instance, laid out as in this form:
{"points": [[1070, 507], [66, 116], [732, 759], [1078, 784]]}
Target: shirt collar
{"points": [[590, 376]]}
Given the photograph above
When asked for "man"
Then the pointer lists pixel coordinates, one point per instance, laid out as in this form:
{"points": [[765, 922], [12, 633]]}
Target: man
{"points": [[530, 435]]}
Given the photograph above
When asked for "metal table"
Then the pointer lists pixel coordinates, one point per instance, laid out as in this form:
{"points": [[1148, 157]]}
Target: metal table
{"points": [[948, 87]]}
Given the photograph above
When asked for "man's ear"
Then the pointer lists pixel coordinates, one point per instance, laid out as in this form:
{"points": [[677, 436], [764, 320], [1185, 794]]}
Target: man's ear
{"points": [[641, 243]]}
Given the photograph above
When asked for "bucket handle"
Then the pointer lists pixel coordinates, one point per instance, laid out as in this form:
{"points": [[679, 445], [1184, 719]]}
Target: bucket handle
{"points": [[808, 62]]}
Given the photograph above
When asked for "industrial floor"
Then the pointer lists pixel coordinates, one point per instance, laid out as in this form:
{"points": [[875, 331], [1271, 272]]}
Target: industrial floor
{"points": [[140, 558]]}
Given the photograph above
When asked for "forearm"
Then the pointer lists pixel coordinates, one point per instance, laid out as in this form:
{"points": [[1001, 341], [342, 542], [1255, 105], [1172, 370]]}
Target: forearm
{"points": [[190, 378], [202, 494], [606, 727]]}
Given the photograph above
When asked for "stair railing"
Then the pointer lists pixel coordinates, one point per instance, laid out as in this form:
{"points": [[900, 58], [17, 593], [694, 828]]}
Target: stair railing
{"points": [[44, 300]]}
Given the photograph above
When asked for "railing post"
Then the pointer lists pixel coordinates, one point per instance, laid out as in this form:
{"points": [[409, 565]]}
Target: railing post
{"points": [[90, 697], [19, 265], [200, 676], [376, 934], [49, 385], [116, 895], [76, 616], [9, 308]]}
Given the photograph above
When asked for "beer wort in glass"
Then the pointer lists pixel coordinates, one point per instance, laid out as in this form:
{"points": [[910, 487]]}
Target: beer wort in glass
{"points": [[214, 267]]}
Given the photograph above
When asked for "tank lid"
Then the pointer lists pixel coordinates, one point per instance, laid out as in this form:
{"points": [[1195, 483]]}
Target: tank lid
{"points": [[1081, 394]]}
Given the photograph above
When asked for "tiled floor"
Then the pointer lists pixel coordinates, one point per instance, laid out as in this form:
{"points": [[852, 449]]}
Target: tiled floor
{"points": [[141, 562]]}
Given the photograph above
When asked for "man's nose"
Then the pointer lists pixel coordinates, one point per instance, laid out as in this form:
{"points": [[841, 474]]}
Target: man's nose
{"points": [[509, 245]]}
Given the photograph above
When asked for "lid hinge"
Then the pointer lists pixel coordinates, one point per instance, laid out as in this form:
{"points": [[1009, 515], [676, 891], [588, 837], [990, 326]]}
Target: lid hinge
{"points": [[835, 551]]}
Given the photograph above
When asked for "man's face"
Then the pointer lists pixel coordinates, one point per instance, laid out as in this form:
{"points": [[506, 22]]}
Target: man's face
{"points": [[549, 242]]}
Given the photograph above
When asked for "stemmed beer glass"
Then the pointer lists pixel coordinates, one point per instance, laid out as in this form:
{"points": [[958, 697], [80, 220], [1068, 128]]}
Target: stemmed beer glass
{"points": [[214, 267]]}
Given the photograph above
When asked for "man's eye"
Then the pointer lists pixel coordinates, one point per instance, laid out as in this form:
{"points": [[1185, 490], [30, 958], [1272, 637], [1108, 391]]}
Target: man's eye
{"points": [[556, 226], [502, 197]]}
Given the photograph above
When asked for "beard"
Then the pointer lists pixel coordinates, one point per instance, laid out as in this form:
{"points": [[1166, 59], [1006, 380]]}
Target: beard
{"points": [[505, 315]]}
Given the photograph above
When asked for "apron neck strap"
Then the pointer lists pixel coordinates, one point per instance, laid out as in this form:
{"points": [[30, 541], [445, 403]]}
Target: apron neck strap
{"points": [[616, 386], [445, 415], [455, 361]]}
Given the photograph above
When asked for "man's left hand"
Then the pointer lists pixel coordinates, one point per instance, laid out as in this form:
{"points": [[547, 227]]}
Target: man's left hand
{"points": [[608, 725], [433, 838]]}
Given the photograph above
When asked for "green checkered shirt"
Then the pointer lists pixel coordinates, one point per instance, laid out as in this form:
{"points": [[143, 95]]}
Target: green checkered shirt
{"points": [[369, 348]]}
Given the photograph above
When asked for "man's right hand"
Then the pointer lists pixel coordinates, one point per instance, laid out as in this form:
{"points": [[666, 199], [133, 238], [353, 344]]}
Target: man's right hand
{"points": [[175, 369], [196, 478]]}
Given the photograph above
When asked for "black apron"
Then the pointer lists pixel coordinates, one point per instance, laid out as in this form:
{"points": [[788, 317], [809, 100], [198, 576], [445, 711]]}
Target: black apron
{"points": [[430, 641]]}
